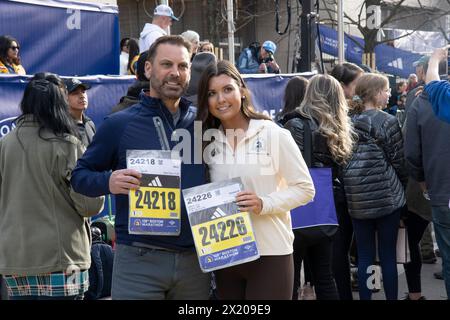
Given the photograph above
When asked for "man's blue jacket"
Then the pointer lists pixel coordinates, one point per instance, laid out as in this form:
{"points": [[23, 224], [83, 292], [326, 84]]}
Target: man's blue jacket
{"points": [[137, 128]]}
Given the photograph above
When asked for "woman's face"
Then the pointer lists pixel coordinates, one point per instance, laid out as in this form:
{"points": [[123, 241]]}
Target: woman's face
{"points": [[383, 96], [224, 98], [13, 51], [207, 48], [349, 89]]}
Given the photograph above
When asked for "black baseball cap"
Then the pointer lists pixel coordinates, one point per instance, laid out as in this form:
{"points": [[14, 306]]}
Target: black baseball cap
{"points": [[72, 84]]}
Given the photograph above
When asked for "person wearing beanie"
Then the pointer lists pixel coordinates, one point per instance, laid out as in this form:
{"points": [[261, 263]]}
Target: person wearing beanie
{"points": [[162, 19], [199, 64], [258, 59]]}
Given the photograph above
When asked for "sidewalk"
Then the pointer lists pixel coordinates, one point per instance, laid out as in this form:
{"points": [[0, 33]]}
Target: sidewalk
{"points": [[432, 288]]}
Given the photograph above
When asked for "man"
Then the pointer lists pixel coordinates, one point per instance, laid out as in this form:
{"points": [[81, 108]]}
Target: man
{"points": [[421, 71], [78, 103], [258, 59], [427, 151], [148, 266], [162, 19]]}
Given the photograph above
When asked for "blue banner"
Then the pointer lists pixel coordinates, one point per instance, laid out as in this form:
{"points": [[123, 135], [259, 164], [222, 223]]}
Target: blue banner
{"points": [[390, 60], [63, 37], [106, 91]]}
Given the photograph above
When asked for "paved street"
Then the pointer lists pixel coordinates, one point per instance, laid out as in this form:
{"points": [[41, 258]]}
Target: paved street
{"points": [[432, 288]]}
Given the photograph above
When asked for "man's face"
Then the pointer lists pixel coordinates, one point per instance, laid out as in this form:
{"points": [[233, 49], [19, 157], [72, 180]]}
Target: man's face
{"points": [[167, 22], [170, 71], [78, 99], [420, 72], [264, 54]]}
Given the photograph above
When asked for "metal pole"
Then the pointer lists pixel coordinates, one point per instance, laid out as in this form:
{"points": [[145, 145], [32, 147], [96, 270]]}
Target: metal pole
{"points": [[230, 21], [340, 19], [166, 2]]}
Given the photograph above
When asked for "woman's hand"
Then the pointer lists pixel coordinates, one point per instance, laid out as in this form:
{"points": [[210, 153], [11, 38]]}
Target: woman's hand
{"points": [[249, 201]]}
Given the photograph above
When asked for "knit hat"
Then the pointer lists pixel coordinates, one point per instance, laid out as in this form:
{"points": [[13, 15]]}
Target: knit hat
{"points": [[140, 69], [199, 64], [269, 46]]}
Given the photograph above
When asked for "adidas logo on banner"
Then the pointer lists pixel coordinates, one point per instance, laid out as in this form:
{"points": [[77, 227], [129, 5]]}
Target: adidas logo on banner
{"points": [[397, 63], [218, 214], [155, 182]]}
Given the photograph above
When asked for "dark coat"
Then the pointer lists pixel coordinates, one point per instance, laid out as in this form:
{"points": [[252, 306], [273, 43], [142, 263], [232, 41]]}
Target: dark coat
{"points": [[427, 150], [375, 176]]}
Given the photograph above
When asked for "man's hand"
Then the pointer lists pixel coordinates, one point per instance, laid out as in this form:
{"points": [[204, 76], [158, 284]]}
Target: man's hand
{"points": [[121, 181], [249, 201], [433, 65], [440, 53], [274, 66], [262, 68]]}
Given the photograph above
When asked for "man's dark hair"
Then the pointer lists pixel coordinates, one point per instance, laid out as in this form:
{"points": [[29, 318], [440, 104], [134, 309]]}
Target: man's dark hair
{"points": [[174, 40], [123, 42]]}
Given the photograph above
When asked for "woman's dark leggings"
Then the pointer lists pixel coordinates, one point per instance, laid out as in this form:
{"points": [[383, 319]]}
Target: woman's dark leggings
{"points": [[298, 259], [268, 278], [341, 252], [318, 254], [416, 226], [387, 229]]}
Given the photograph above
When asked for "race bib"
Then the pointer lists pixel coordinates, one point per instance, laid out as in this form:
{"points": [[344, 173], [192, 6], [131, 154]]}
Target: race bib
{"points": [[155, 208], [223, 235]]}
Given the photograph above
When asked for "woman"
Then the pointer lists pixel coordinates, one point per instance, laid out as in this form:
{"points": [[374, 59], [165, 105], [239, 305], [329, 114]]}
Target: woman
{"points": [[133, 56], [206, 46], [45, 251], [274, 175], [123, 58], [9, 56], [347, 74], [374, 181], [293, 95], [324, 110]]}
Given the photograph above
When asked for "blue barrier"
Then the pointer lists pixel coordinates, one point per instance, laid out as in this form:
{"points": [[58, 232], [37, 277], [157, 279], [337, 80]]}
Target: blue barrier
{"points": [[106, 91]]}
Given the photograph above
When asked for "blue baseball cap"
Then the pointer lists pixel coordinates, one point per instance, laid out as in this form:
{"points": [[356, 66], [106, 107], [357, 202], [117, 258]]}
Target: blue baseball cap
{"points": [[163, 10], [269, 46]]}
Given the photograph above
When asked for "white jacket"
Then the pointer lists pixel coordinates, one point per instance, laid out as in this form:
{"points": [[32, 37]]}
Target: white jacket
{"points": [[149, 34], [271, 165], [123, 63]]}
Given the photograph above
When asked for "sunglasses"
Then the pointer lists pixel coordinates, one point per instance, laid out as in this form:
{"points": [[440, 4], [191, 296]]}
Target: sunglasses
{"points": [[15, 48]]}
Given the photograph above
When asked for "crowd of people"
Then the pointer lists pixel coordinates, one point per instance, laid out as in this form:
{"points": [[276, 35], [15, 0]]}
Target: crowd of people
{"points": [[387, 172]]}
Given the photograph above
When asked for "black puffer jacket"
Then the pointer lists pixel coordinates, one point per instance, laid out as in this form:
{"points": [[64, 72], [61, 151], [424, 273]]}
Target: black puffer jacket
{"points": [[375, 177]]}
